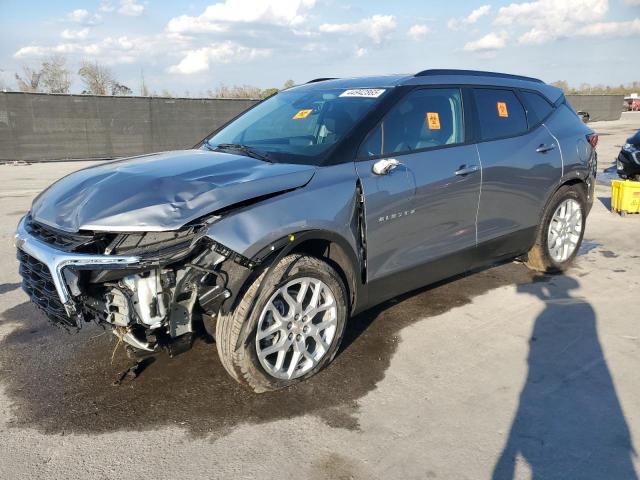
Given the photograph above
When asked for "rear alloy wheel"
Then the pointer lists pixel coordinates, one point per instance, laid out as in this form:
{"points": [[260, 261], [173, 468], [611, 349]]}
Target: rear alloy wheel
{"points": [[565, 230], [289, 329], [561, 230]]}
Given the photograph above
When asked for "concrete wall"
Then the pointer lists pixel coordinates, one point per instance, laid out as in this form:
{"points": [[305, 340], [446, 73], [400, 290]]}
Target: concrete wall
{"points": [[35, 127], [599, 107]]}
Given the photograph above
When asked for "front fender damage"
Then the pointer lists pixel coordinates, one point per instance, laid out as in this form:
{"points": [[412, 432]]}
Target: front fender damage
{"points": [[188, 276]]}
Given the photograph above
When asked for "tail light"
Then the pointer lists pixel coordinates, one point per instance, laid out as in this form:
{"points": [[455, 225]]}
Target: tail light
{"points": [[592, 138]]}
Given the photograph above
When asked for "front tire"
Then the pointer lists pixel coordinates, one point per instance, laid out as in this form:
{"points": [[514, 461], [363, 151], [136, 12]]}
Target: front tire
{"points": [[291, 331], [560, 232]]}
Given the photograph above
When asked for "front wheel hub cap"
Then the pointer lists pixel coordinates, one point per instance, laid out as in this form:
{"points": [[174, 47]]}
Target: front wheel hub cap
{"points": [[288, 353]]}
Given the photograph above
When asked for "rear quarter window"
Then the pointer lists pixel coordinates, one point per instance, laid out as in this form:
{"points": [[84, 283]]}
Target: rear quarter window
{"points": [[538, 108], [500, 113]]}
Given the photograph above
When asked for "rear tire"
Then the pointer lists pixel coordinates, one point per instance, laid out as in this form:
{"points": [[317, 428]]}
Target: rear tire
{"points": [[558, 239], [275, 321]]}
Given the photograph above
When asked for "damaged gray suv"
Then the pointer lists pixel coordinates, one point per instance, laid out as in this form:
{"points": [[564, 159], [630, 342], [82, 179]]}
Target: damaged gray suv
{"points": [[315, 204]]}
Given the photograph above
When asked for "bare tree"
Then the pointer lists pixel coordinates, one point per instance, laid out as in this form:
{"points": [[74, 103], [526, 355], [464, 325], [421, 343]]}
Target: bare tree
{"points": [[561, 84], [237, 91], [119, 89], [144, 90], [97, 79], [30, 80], [588, 89], [288, 84], [55, 75], [267, 92]]}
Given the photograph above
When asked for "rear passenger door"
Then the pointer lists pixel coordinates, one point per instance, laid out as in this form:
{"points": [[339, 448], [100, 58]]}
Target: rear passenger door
{"points": [[424, 207], [521, 165]]}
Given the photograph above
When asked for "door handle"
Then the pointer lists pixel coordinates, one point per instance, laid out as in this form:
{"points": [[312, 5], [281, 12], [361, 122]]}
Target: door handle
{"points": [[545, 148], [384, 166], [464, 170]]}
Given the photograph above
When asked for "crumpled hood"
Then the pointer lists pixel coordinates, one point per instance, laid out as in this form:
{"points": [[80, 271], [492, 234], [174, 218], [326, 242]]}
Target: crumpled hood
{"points": [[160, 191]]}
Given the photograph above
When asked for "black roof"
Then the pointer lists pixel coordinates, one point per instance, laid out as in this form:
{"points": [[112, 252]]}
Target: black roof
{"points": [[440, 76], [476, 73]]}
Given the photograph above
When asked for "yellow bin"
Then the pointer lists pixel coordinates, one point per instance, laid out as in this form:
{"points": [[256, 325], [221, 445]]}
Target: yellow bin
{"points": [[625, 196]]}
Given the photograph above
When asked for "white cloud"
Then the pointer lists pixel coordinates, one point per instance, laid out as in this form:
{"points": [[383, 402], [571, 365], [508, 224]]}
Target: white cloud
{"points": [[110, 50], [633, 3], [548, 20], [216, 16], [84, 17], [377, 27], [61, 48], [417, 32], [489, 43], [188, 24], [473, 17], [361, 52], [628, 28], [81, 34], [130, 8], [199, 60], [106, 6], [79, 15]]}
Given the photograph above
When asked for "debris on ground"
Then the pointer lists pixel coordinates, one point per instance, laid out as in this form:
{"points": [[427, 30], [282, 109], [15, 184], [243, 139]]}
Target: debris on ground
{"points": [[133, 371]]}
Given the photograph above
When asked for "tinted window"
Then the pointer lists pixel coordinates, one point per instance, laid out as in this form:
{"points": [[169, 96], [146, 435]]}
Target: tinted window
{"points": [[538, 108], [500, 113], [424, 118]]}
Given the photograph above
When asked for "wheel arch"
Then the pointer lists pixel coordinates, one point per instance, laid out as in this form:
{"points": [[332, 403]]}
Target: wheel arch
{"points": [[327, 246], [571, 182], [564, 182]]}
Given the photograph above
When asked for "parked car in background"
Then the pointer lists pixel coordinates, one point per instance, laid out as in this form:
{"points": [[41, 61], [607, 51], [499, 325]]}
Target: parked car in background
{"points": [[584, 116], [631, 104], [628, 161], [316, 204]]}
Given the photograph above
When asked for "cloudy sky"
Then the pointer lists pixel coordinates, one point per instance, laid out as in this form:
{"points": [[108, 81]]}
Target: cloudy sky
{"points": [[195, 46]]}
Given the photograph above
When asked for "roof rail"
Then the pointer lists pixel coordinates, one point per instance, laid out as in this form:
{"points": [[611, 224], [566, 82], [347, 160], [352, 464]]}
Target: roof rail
{"points": [[321, 79], [475, 73]]}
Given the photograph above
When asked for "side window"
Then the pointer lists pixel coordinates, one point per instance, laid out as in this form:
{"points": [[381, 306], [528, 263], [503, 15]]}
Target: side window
{"points": [[538, 108], [500, 113], [424, 118]]}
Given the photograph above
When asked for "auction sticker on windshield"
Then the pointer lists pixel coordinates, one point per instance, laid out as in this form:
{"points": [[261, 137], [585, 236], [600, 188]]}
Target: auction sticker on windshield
{"points": [[302, 114], [363, 92]]}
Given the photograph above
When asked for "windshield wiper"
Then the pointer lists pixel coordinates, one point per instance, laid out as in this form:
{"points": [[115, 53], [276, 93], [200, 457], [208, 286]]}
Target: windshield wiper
{"points": [[244, 149]]}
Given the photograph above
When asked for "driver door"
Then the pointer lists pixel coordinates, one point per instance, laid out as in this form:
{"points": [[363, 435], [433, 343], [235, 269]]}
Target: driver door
{"points": [[421, 187]]}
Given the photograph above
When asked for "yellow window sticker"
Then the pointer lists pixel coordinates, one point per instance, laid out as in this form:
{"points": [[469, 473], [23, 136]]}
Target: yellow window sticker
{"points": [[433, 120], [502, 109], [302, 114]]}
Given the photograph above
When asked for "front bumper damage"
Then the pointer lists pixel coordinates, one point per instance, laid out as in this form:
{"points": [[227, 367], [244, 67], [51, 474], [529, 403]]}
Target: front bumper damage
{"points": [[57, 260], [151, 298]]}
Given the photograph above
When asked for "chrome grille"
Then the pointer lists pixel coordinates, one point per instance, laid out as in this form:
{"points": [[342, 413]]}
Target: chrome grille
{"points": [[38, 284]]}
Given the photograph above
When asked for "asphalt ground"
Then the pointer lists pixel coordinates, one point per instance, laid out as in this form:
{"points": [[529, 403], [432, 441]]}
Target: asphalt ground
{"points": [[503, 373]]}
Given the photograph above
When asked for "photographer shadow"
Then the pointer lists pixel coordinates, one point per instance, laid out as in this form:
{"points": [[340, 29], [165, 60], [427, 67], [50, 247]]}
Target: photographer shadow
{"points": [[569, 423]]}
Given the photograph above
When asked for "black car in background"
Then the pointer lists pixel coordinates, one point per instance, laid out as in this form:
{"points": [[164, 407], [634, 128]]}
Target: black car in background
{"points": [[628, 162]]}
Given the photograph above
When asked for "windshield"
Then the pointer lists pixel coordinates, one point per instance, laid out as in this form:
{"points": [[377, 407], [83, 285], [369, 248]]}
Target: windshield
{"points": [[297, 126]]}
